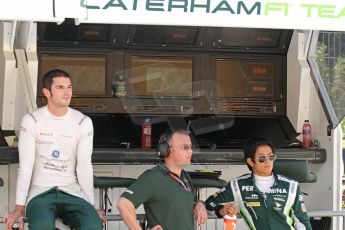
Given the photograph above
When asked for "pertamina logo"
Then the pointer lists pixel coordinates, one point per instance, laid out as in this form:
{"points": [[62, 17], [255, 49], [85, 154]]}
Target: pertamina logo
{"points": [[46, 134]]}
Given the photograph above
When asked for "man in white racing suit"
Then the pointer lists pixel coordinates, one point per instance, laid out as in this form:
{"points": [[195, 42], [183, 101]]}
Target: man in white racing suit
{"points": [[55, 176]]}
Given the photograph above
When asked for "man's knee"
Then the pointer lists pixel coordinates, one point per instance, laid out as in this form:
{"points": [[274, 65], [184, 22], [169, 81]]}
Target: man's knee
{"points": [[92, 225], [40, 220], [42, 225]]}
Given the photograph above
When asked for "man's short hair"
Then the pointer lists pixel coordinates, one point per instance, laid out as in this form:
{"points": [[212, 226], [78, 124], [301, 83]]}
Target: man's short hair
{"points": [[167, 134], [164, 143], [47, 80], [252, 145]]}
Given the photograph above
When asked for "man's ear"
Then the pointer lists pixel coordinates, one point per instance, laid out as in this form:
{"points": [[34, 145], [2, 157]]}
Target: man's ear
{"points": [[250, 162], [46, 92]]}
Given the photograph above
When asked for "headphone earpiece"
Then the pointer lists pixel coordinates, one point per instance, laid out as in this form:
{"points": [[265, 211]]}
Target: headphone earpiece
{"points": [[163, 149]]}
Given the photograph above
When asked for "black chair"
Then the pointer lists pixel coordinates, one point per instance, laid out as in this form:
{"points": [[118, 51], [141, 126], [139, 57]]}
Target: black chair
{"points": [[106, 183], [295, 169], [199, 183], [323, 223]]}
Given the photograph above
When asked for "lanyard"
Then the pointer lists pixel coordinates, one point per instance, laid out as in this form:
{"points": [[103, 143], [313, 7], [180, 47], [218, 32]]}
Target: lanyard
{"points": [[187, 188]]}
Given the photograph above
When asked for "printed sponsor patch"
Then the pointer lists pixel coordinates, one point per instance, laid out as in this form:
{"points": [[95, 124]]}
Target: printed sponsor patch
{"points": [[279, 199], [216, 194], [41, 142], [46, 134], [33, 117], [234, 184], [82, 119], [212, 204], [129, 191], [55, 153], [277, 206], [280, 195], [300, 198], [293, 187], [303, 207], [253, 204], [247, 188], [277, 190], [252, 197]]}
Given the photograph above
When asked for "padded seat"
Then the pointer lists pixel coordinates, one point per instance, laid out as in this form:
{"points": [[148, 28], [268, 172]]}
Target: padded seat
{"points": [[295, 169], [112, 182], [104, 183], [198, 183], [205, 182]]}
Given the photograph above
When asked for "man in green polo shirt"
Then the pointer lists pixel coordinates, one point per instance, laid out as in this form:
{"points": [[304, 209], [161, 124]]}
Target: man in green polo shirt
{"points": [[165, 190]]}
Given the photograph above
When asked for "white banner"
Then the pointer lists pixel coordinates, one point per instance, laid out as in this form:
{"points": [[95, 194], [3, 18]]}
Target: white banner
{"points": [[26, 10], [70, 9], [282, 14]]}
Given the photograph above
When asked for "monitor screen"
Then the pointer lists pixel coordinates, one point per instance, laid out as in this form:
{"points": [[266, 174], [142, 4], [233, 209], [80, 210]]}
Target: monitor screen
{"points": [[149, 35], [69, 32], [162, 77], [88, 73], [245, 78], [247, 37]]}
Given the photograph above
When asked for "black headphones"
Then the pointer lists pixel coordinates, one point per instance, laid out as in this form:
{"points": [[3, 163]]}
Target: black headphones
{"points": [[163, 148]]}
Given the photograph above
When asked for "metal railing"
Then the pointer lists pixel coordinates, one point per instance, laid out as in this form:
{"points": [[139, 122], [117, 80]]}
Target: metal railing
{"points": [[112, 217], [333, 213]]}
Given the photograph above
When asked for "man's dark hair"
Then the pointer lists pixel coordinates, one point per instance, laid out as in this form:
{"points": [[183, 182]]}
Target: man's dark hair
{"points": [[252, 145], [167, 135], [47, 80]]}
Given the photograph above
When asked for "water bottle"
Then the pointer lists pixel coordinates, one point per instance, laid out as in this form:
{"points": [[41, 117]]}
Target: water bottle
{"points": [[146, 134], [120, 85], [15, 226], [306, 130], [230, 222]]}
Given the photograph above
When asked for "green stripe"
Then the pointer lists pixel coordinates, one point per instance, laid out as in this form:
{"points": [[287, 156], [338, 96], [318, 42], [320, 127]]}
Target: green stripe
{"points": [[245, 214]]}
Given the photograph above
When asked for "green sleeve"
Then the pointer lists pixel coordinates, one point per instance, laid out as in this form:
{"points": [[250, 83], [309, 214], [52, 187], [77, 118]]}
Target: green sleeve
{"points": [[214, 202], [300, 211], [140, 191]]}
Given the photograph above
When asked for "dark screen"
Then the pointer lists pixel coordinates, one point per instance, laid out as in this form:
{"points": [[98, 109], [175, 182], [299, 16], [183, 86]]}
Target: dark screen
{"points": [[248, 37], [165, 77], [242, 78], [88, 73]]}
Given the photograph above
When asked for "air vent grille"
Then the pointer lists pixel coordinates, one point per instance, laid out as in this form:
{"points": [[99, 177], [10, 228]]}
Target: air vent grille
{"points": [[160, 108], [237, 106], [89, 107]]}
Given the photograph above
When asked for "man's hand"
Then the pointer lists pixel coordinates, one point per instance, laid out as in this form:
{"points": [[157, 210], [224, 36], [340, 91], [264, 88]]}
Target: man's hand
{"points": [[157, 227], [16, 216], [102, 215], [200, 213], [229, 209]]}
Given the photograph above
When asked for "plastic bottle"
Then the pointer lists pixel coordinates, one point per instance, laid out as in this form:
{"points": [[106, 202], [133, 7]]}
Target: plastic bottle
{"points": [[15, 226], [120, 85], [306, 130], [146, 134], [230, 222]]}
